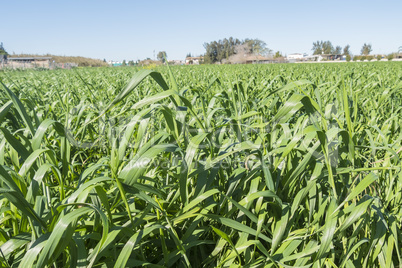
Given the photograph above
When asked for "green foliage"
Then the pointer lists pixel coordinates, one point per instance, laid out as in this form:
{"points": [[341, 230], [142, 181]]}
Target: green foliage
{"points": [[346, 50], [206, 166], [348, 57], [256, 47], [317, 48], [162, 56], [2, 50], [337, 50], [379, 57], [366, 49], [390, 56], [216, 51], [325, 47], [124, 63], [278, 54], [363, 58]]}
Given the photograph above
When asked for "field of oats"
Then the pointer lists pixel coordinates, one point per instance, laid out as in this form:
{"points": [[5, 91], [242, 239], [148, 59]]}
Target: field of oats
{"points": [[204, 166]]}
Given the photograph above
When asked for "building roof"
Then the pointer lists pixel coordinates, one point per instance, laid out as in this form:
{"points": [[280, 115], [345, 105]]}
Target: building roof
{"points": [[256, 57]]}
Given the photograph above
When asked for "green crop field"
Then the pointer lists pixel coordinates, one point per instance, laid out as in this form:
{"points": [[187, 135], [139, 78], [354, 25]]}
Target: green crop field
{"points": [[281, 165]]}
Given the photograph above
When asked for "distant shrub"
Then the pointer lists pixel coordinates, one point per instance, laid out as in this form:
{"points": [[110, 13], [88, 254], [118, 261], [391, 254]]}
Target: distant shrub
{"points": [[379, 57], [390, 56], [348, 58]]}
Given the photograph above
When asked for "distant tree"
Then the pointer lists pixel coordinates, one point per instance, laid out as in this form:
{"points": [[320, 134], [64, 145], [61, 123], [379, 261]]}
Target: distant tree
{"points": [[390, 56], [131, 63], [317, 48], [218, 51], [348, 57], [338, 50], [232, 43], [346, 50], [124, 63], [242, 49], [366, 49], [257, 47], [188, 55], [327, 47], [278, 55], [211, 52], [2, 50], [162, 56], [379, 57], [104, 60]]}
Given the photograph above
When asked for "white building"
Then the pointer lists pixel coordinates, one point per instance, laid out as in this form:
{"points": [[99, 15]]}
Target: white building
{"points": [[176, 62], [296, 56], [194, 60]]}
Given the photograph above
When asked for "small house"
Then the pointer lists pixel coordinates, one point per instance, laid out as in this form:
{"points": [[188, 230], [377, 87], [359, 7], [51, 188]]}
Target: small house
{"points": [[29, 62], [295, 56], [194, 60]]}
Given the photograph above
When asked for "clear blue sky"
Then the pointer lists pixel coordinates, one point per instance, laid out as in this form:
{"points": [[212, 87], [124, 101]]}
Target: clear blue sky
{"points": [[131, 30]]}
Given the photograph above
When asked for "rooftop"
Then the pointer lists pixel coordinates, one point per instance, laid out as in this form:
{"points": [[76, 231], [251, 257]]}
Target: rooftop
{"points": [[257, 57]]}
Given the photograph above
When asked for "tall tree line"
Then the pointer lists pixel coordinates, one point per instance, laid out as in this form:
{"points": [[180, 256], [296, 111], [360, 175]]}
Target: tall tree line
{"points": [[216, 51], [326, 47]]}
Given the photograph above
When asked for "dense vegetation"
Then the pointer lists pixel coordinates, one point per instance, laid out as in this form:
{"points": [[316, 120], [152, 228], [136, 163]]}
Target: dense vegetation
{"points": [[81, 61], [223, 50], [204, 166]]}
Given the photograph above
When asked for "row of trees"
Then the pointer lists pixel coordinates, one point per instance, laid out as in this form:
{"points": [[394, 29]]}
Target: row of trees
{"points": [[378, 57], [217, 51], [129, 63], [236, 50], [326, 47]]}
